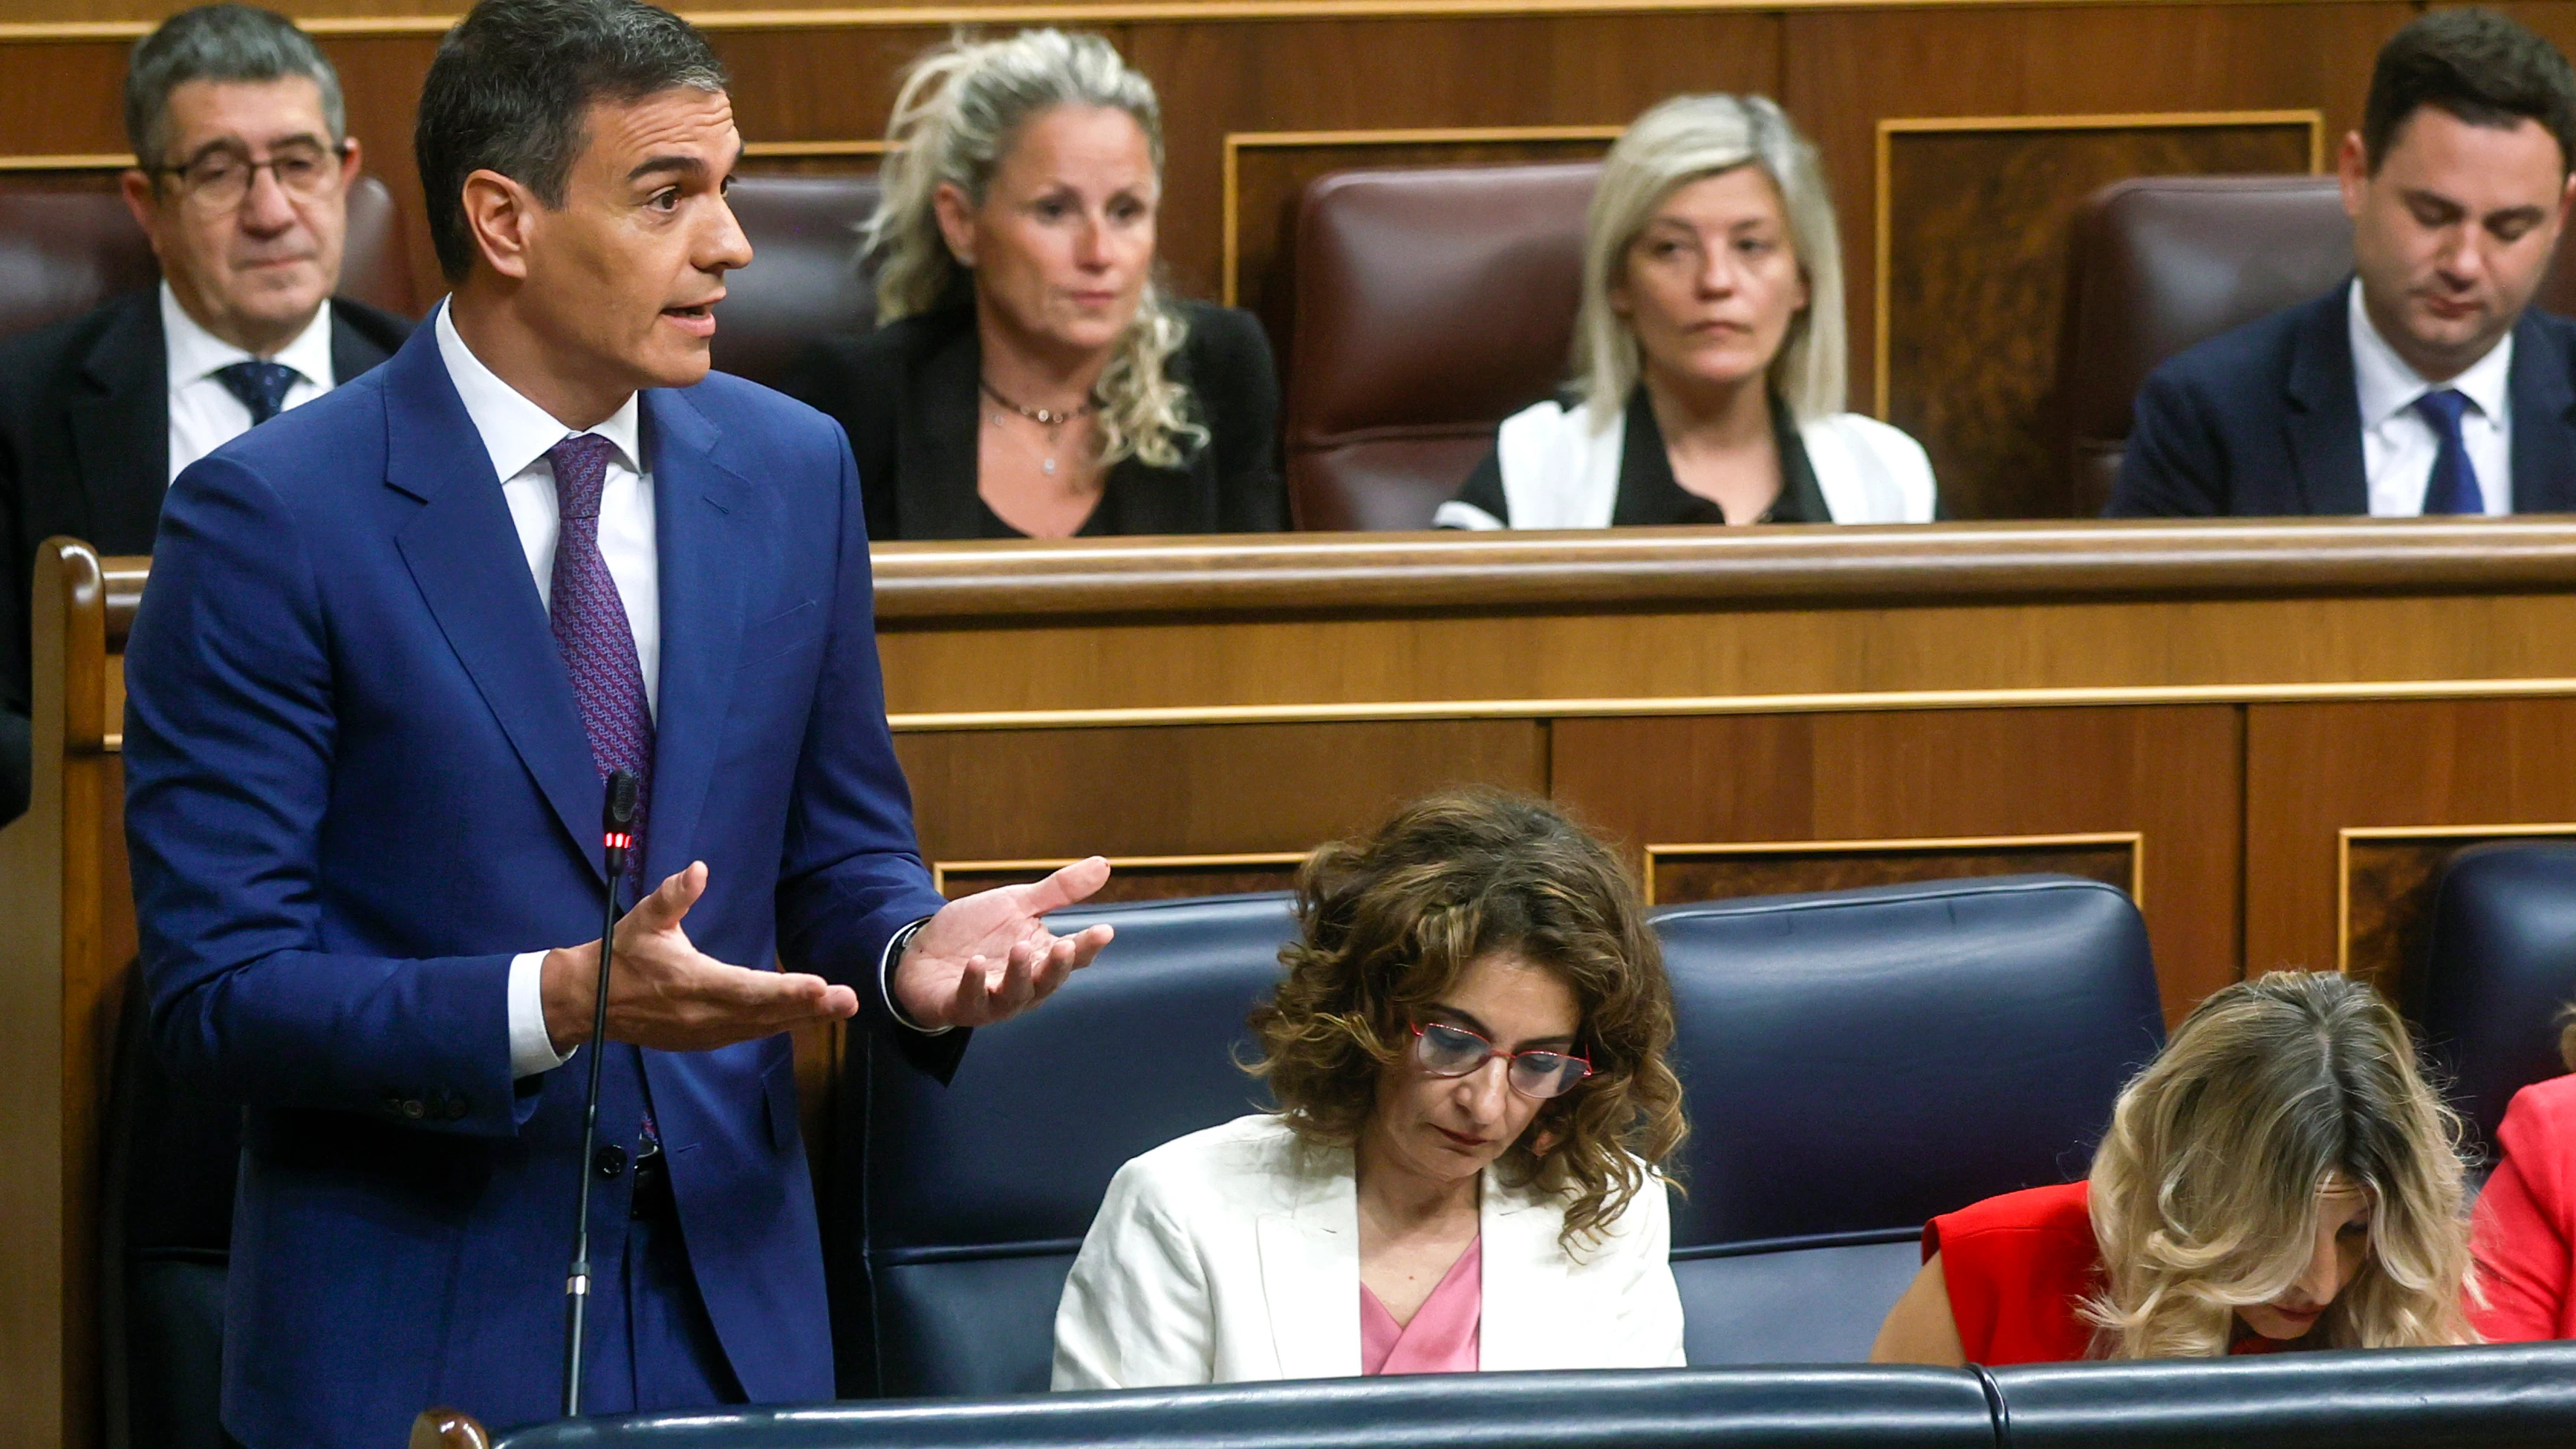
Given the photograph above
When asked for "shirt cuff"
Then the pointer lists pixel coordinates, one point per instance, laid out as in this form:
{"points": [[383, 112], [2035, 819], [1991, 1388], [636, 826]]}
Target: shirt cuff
{"points": [[531, 1051], [885, 980]]}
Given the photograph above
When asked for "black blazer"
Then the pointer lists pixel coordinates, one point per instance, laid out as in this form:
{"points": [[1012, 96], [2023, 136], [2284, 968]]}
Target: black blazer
{"points": [[85, 451], [2265, 421], [906, 393]]}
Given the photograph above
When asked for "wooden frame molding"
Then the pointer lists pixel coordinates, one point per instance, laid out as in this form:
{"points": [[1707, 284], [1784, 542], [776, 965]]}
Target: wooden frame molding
{"points": [[939, 869], [2135, 840], [75, 161], [2345, 837], [798, 150], [1097, 12], [1884, 183], [1238, 142]]}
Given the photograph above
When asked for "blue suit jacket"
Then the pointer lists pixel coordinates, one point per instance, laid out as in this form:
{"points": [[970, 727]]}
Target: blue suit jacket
{"points": [[2265, 421], [357, 785]]}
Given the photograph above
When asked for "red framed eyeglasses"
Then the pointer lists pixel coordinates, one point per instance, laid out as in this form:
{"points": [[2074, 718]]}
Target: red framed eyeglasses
{"points": [[1453, 1051]]}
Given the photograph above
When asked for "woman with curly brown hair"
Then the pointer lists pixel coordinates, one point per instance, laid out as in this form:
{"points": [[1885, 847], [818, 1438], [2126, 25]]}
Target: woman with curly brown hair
{"points": [[1468, 1056]]}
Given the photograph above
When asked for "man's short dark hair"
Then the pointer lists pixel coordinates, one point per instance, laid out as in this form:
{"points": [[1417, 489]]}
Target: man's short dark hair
{"points": [[2476, 65], [511, 87], [218, 43]]}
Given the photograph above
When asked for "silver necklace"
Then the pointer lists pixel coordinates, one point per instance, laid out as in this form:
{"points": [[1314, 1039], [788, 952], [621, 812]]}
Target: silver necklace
{"points": [[1051, 419]]}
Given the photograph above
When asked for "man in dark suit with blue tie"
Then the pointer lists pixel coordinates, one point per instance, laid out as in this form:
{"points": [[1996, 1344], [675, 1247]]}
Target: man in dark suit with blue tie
{"points": [[2425, 384], [243, 165], [393, 643]]}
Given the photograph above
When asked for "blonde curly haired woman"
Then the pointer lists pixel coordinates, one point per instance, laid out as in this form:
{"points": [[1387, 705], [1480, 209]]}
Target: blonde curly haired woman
{"points": [[2280, 1176], [1468, 1055], [1027, 375]]}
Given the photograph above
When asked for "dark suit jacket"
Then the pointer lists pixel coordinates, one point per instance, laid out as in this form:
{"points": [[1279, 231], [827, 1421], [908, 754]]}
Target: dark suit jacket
{"points": [[907, 394], [85, 451], [2265, 421], [357, 784]]}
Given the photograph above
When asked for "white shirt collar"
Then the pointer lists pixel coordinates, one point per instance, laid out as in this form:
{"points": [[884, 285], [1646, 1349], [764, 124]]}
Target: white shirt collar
{"points": [[517, 432], [196, 353], [2387, 386]]}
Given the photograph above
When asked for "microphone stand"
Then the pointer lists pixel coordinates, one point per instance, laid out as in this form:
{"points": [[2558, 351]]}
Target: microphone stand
{"points": [[617, 825]]}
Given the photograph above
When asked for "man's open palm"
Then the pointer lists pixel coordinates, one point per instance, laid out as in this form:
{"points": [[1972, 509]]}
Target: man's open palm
{"points": [[989, 956]]}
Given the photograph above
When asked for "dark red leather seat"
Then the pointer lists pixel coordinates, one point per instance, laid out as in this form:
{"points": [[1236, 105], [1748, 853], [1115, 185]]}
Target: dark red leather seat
{"points": [[64, 252], [1430, 305], [2160, 263], [802, 282]]}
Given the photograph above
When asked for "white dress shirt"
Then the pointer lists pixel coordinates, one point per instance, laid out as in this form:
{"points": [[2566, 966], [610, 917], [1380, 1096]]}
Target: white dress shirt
{"points": [[517, 433], [2398, 443], [204, 414]]}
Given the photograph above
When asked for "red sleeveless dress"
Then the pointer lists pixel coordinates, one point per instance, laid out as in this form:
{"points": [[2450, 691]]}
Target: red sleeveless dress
{"points": [[2017, 1266]]}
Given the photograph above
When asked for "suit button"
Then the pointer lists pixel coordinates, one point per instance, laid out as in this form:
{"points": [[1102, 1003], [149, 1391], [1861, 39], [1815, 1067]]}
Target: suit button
{"points": [[414, 1108], [611, 1160]]}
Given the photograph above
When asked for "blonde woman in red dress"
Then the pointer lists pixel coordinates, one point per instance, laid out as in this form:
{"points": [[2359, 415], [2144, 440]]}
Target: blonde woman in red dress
{"points": [[2280, 1177]]}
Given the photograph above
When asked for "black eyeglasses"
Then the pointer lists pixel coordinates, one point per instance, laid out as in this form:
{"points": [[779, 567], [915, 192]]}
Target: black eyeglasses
{"points": [[220, 177], [1453, 1051]]}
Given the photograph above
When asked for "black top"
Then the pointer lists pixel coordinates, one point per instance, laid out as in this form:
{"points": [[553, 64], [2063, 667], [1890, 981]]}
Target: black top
{"points": [[1648, 492], [85, 452], [907, 395]]}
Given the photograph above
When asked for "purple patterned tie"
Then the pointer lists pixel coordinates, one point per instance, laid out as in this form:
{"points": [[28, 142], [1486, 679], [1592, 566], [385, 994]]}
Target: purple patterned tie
{"points": [[590, 627]]}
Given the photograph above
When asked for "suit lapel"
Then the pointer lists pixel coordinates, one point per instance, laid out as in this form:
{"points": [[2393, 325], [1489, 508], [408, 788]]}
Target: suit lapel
{"points": [[121, 428], [697, 512], [1524, 1287], [2324, 416], [1310, 1279], [464, 554], [2544, 409]]}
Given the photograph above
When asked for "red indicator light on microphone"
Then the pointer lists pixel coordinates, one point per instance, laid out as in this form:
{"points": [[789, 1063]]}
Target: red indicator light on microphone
{"points": [[620, 842]]}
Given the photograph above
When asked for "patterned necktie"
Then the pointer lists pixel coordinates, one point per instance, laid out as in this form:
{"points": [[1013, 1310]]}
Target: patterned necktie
{"points": [[2453, 488], [261, 386], [590, 628]]}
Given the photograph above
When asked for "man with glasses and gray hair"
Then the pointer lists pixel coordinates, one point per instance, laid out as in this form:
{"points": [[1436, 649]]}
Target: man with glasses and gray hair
{"points": [[243, 165]]}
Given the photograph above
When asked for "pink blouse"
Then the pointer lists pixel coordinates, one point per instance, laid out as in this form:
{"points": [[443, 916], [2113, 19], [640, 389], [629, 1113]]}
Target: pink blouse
{"points": [[1442, 1337]]}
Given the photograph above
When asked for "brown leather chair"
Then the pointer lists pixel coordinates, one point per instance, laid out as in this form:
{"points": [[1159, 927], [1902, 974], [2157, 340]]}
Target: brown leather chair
{"points": [[64, 252], [802, 283], [2163, 262], [1430, 305]]}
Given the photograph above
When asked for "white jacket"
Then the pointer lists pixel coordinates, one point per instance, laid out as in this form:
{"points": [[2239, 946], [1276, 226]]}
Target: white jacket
{"points": [[1233, 1254], [1561, 472]]}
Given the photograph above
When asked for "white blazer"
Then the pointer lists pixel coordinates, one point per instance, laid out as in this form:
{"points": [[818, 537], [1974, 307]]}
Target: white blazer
{"points": [[1234, 1254], [1560, 471]]}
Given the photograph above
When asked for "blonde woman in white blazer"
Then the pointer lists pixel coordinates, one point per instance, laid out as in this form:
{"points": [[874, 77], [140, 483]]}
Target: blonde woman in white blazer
{"points": [[1710, 359], [1469, 1054]]}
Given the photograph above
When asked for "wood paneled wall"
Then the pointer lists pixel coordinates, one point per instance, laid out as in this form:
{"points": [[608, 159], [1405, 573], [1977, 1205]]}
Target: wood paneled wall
{"points": [[1851, 75]]}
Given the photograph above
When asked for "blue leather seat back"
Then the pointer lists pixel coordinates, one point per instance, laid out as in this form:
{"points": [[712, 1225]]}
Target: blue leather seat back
{"points": [[974, 1197], [2508, 1396], [1836, 1408], [1860, 1061], [2502, 965]]}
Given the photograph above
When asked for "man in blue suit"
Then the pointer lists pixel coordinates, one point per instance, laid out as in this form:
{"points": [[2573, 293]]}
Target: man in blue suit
{"points": [[393, 643], [2424, 385]]}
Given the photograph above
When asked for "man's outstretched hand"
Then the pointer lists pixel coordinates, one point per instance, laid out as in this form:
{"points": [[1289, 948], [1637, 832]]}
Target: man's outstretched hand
{"points": [[665, 993], [989, 956]]}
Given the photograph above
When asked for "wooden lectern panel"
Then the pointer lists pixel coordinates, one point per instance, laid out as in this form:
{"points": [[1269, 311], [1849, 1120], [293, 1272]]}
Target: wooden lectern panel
{"points": [[2275, 730]]}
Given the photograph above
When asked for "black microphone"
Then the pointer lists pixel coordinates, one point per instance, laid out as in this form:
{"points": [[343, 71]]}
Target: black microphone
{"points": [[617, 825]]}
